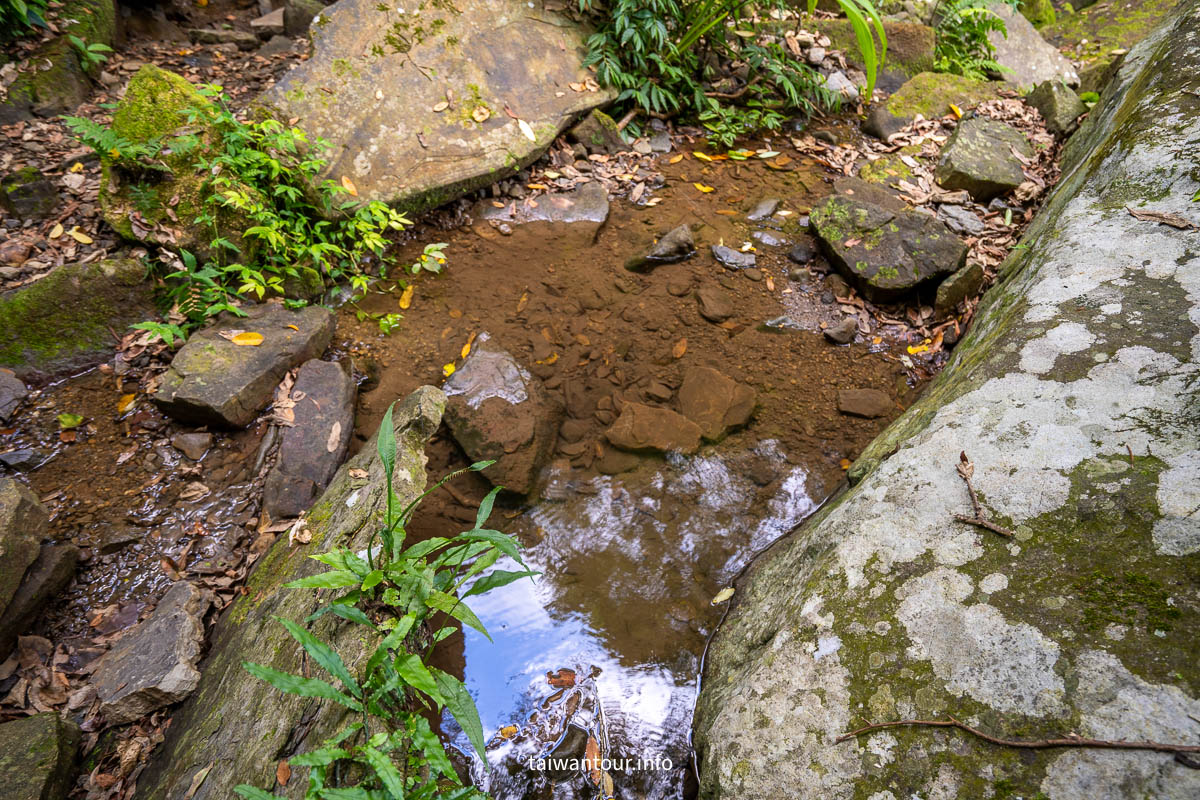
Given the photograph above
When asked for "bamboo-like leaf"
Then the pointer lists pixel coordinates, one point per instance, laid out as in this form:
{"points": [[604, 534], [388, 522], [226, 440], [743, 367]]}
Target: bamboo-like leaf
{"points": [[385, 443], [506, 543], [460, 704], [451, 605], [485, 507], [253, 793], [320, 757], [416, 675], [393, 640], [496, 579], [323, 654], [333, 579], [297, 685], [386, 771]]}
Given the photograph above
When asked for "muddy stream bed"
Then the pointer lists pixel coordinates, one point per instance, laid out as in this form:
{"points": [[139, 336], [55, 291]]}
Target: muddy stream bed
{"points": [[606, 644]]}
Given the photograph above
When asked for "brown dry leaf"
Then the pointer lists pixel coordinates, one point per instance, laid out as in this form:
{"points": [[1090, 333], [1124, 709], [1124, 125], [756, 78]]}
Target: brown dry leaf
{"points": [[197, 780], [359, 474], [675, 159], [299, 533], [680, 348], [562, 679], [283, 772], [592, 756], [770, 284], [1163, 218], [335, 438]]}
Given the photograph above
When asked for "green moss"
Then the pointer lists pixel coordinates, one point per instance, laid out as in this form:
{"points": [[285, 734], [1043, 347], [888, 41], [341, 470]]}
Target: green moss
{"points": [[1038, 12], [931, 93], [154, 105], [91, 20], [1094, 32]]}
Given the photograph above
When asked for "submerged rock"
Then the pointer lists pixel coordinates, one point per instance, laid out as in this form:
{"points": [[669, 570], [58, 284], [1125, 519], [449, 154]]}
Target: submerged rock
{"points": [[980, 158], [192, 445], [676, 245], [733, 259], [866, 403], [763, 209], [1028, 59], [497, 410], [843, 332], [642, 428], [367, 90], [585, 207], [715, 402], [312, 449], [12, 392], [1059, 106], [212, 381], [155, 663], [715, 304], [883, 124], [37, 757]]}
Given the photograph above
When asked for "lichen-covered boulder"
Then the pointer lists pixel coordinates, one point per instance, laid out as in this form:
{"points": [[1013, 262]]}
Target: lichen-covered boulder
{"points": [[28, 194], [37, 757], [1073, 396], [413, 101], [1097, 35], [981, 157], [1027, 58], [238, 727]]}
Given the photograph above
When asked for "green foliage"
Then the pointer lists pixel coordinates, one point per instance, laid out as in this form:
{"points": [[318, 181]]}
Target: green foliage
{"points": [[863, 16], [432, 259], [91, 54], [19, 16], [167, 332], [393, 594], [116, 149], [961, 44], [670, 57]]}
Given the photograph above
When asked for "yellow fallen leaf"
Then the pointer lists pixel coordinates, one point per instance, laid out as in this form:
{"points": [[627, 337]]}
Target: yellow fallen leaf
{"points": [[114, 153], [703, 188], [79, 235], [675, 159], [349, 186], [727, 212], [125, 403], [680, 348], [56, 231], [541, 186], [702, 156], [407, 295], [723, 595], [448, 370], [547, 361], [921, 348], [77, 167], [248, 339], [956, 111], [440, 107], [508, 731], [480, 114], [844, 463], [293, 327], [526, 129], [466, 348]]}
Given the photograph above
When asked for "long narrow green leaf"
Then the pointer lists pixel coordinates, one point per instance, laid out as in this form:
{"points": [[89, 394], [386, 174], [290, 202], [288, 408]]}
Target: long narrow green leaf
{"points": [[320, 757], [304, 687], [451, 605], [253, 793], [496, 579], [385, 443], [323, 654], [485, 507], [333, 579], [866, 44], [460, 704], [506, 543], [386, 771], [416, 675], [392, 641]]}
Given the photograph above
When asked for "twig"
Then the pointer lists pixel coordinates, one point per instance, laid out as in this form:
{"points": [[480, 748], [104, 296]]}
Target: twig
{"points": [[1027, 744], [965, 470], [628, 118]]}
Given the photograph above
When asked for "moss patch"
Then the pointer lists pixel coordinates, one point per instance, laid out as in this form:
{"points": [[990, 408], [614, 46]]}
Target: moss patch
{"points": [[1092, 34], [931, 93]]}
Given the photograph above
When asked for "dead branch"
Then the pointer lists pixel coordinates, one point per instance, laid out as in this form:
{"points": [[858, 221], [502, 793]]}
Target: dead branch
{"points": [[965, 470], [1027, 744]]}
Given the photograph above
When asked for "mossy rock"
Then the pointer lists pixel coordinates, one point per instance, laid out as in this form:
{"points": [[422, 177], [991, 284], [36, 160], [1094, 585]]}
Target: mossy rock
{"points": [[37, 757], [64, 322], [1093, 33], [909, 50], [930, 94], [1039, 12]]}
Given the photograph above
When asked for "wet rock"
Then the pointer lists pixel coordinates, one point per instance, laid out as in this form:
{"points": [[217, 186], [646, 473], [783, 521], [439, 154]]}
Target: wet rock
{"points": [[732, 259], [767, 238], [192, 445], [715, 305], [754, 274], [883, 124], [843, 332], [114, 538], [598, 133], [1027, 57], [979, 158], [28, 194], [960, 220], [763, 210], [1059, 106], [659, 391], [315, 446], [677, 245], [269, 25], [213, 381], [497, 410], [23, 459], [642, 428], [43, 580], [396, 148], [660, 142], [802, 252], [715, 402], [299, 14], [585, 207], [958, 287], [37, 757], [154, 664], [23, 521], [867, 403], [884, 253], [614, 462], [12, 392], [930, 94], [243, 40]]}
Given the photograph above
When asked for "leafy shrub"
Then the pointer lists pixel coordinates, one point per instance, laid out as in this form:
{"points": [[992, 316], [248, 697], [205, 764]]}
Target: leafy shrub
{"points": [[91, 54], [961, 45], [392, 594], [19, 16], [667, 57]]}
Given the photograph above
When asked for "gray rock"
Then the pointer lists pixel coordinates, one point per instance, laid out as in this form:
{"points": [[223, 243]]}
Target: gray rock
{"points": [[843, 332], [715, 304], [1059, 106], [884, 253], [815, 56], [979, 158], [269, 24], [396, 148], [497, 410], [243, 40], [598, 133], [585, 207], [649, 429], [24, 459], [28, 194], [763, 209], [315, 446], [192, 445], [958, 287], [960, 220], [213, 381], [12, 392], [883, 124], [802, 253], [43, 580], [867, 403], [715, 402], [154, 664], [677, 245], [838, 83], [299, 14], [1028, 58], [23, 521], [767, 238], [660, 142], [276, 45], [732, 259], [37, 757]]}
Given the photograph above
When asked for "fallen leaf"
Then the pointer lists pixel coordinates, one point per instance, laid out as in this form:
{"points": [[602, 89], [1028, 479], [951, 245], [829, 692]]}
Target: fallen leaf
{"points": [[335, 438], [56, 231], [407, 295], [79, 235], [526, 129], [125, 403], [764, 154], [844, 463], [197, 780], [702, 156], [379, 94], [448, 370], [770, 284], [727, 212], [481, 114], [76, 167], [508, 731], [1163, 218], [680, 348], [283, 772], [359, 474], [591, 755], [466, 348], [440, 107], [723, 595], [675, 159], [293, 327], [68, 421], [956, 111], [349, 186], [247, 339], [703, 188]]}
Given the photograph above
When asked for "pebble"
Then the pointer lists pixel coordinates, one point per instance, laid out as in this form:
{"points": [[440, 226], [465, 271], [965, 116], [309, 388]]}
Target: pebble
{"points": [[843, 332], [192, 445], [753, 274], [802, 253], [764, 209], [768, 239]]}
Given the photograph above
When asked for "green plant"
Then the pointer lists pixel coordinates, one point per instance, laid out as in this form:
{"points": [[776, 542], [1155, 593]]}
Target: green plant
{"points": [[432, 259], [116, 149], [961, 44], [166, 331], [389, 323], [673, 57], [20, 16], [91, 54], [863, 16], [393, 595]]}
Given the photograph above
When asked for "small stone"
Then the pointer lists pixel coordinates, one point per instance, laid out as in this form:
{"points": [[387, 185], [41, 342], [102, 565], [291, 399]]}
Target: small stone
{"points": [[802, 252], [828, 137], [843, 332], [958, 287], [239, 39], [642, 147], [732, 259], [767, 238], [679, 287], [1059, 106], [960, 220], [715, 305], [815, 56], [598, 133], [659, 391], [192, 445], [715, 402], [276, 45], [14, 252], [753, 274], [28, 194], [763, 209], [799, 275], [676, 245], [613, 461], [979, 158], [660, 142], [883, 124], [838, 83], [12, 392], [268, 25], [642, 428], [39, 755], [866, 403], [23, 459], [838, 285]]}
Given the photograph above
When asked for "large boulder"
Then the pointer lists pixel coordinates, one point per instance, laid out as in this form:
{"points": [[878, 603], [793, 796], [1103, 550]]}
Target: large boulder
{"points": [[1097, 35], [37, 757], [215, 381], [234, 725], [982, 158], [315, 445], [43, 580], [414, 104], [23, 522], [1027, 58], [715, 402], [909, 44], [1073, 397], [64, 322], [498, 411]]}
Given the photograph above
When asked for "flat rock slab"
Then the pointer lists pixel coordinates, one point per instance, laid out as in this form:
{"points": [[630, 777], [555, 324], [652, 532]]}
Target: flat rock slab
{"points": [[314, 447], [23, 521], [866, 403], [497, 410], [12, 392], [715, 402], [733, 259], [650, 429], [884, 253], [43, 580], [377, 74], [154, 665], [213, 381], [37, 757], [979, 158], [1028, 58], [585, 207]]}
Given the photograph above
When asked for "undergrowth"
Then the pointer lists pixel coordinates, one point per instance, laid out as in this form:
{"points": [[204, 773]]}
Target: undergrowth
{"points": [[18, 17], [961, 45]]}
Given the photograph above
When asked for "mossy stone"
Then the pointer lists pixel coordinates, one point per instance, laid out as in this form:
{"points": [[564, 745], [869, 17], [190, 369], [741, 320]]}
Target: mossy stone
{"points": [[930, 94], [598, 133], [1039, 12], [28, 194], [37, 757]]}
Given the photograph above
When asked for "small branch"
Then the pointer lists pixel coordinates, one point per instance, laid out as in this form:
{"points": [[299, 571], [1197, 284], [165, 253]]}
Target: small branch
{"points": [[965, 470], [984, 523], [1027, 744], [625, 120]]}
